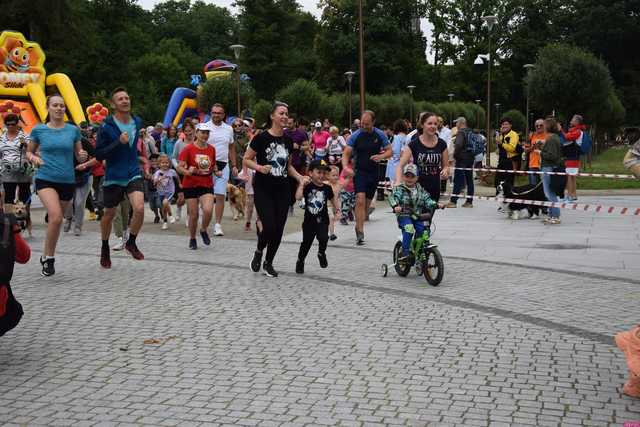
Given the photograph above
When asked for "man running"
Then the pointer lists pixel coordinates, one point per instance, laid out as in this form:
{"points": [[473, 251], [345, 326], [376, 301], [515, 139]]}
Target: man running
{"points": [[117, 144], [221, 138], [369, 146]]}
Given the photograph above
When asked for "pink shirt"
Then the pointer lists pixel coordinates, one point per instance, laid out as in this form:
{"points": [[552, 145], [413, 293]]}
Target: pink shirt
{"points": [[319, 141]]}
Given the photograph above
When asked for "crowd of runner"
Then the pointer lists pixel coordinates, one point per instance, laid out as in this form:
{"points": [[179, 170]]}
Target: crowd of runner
{"points": [[113, 169]]}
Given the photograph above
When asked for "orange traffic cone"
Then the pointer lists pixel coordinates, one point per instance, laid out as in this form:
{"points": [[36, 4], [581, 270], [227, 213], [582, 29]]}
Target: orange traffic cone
{"points": [[629, 343]]}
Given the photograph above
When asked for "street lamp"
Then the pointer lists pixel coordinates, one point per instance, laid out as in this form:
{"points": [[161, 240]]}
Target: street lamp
{"points": [[237, 48], [478, 101], [361, 56], [528, 68], [350, 75], [450, 95], [411, 88], [497, 115], [490, 20]]}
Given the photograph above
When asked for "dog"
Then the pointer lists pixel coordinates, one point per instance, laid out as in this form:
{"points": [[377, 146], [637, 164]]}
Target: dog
{"points": [[237, 198], [524, 192], [23, 216]]}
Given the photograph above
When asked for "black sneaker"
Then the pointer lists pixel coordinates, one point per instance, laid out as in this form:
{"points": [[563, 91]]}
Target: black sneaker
{"points": [[300, 266], [359, 238], [193, 245], [205, 238], [255, 262], [343, 221], [269, 271], [156, 220], [333, 237], [47, 267], [323, 260]]}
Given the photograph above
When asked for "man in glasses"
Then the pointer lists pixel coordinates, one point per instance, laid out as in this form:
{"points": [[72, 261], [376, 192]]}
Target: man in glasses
{"points": [[533, 150], [222, 139]]}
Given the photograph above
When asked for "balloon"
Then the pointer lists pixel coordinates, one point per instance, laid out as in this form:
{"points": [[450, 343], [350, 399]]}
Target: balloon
{"points": [[97, 113]]}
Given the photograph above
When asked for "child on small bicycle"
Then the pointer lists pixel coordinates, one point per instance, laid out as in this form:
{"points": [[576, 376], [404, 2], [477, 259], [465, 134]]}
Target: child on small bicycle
{"points": [[409, 202]]}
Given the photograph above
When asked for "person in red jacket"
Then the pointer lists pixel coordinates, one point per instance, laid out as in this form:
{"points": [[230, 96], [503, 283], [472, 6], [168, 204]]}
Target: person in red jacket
{"points": [[571, 152], [10, 309]]}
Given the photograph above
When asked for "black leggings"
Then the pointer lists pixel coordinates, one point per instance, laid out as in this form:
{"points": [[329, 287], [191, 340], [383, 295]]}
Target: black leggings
{"points": [[24, 192], [311, 230], [272, 206]]}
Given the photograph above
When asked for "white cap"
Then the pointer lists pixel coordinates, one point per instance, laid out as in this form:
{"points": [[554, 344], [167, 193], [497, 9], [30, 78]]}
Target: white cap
{"points": [[203, 126], [318, 124]]}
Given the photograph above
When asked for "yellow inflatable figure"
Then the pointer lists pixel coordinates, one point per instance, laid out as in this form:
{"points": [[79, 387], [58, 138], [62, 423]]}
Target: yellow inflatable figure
{"points": [[24, 83]]}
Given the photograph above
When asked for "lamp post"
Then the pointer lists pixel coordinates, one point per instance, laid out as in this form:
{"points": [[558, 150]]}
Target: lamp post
{"points": [[478, 101], [490, 20], [361, 56], [450, 96], [528, 68], [350, 75], [497, 115], [411, 88], [237, 48]]}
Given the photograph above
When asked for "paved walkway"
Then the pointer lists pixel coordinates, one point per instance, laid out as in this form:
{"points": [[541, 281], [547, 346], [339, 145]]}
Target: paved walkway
{"points": [[195, 338]]}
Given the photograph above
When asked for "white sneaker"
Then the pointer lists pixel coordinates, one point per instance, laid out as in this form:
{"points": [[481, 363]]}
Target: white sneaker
{"points": [[172, 219], [217, 230], [165, 226], [119, 246]]}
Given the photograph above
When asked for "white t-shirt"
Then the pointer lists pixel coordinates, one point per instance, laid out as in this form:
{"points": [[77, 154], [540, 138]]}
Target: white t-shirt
{"points": [[445, 134], [220, 137]]}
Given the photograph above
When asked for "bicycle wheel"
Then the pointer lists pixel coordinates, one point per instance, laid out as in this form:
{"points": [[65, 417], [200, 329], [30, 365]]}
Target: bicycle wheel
{"points": [[433, 266], [401, 268]]}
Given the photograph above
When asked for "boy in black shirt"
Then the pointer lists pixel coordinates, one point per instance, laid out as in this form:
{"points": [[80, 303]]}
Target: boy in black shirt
{"points": [[316, 217]]}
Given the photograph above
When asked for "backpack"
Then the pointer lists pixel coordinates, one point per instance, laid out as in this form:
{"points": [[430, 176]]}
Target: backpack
{"points": [[585, 142], [7, 247], [475, 144]]}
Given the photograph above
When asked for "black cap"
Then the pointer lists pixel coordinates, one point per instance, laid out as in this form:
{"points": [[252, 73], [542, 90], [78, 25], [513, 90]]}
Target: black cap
{"points": [[319, 164]]}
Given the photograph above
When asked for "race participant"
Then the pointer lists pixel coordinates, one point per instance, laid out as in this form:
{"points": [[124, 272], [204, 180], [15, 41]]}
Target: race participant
{"points": [[269, 154], [117, 144], [15, 172], [197, 164], [57, 143], [429, 153], [369, 145], [221, 138]]}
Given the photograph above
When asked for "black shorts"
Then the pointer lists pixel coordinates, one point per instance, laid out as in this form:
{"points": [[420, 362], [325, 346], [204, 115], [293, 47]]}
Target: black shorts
{"points": [[65, 191], [366, 182], [24, 192], [196, 192], [113, 194]]}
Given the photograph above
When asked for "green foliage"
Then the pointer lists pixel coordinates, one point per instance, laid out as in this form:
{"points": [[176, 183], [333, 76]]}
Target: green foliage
{"points": [[571, 81], [303, 98], [224, 91], [261, 111], [334, 108], [517, 118]]}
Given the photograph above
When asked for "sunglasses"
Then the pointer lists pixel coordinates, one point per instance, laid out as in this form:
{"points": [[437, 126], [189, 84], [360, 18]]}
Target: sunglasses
{"points": [[11, 123]]}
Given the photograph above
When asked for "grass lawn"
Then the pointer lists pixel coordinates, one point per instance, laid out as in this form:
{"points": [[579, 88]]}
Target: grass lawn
{"points": [[609, 161]]}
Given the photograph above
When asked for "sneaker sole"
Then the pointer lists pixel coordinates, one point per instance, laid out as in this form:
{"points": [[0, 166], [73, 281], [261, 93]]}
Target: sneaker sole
{"points": [[269, 275]]}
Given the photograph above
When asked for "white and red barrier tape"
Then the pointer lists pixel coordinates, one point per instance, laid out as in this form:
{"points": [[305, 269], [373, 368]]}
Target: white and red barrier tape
{"points": [[581, 174], [562, 205]]}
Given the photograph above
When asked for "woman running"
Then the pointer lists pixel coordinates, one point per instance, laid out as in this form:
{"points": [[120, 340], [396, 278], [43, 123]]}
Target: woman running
{"points": [[429, 153], [269, 154], [198, 164], [57, 143]]}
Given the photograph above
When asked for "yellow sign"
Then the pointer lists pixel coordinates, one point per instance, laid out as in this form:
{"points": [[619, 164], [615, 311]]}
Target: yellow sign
{"points": [[21, 64]]}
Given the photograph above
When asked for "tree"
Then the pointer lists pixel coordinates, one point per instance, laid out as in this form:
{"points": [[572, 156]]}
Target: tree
{"points": [[518, 120], [280, 39], [302, 96], [224, 91]]}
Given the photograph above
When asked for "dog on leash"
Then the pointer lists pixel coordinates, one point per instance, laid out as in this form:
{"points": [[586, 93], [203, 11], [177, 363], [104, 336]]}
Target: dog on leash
{"points": [[23, 216], [528, 192], [237, 197]]}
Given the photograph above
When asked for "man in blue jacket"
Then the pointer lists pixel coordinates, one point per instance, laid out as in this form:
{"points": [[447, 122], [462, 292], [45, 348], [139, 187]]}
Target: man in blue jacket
{"points": [[117, 145]]}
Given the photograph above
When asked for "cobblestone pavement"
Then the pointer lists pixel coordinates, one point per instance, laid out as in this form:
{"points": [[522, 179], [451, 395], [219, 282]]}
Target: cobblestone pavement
{"points": [[188, 338]]}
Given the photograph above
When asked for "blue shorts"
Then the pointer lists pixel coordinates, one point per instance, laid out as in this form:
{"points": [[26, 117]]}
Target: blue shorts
{"points": [[220, 182], [366, 182], [165, 196]]}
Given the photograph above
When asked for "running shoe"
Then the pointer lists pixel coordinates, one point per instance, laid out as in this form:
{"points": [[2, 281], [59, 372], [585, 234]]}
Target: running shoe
{"points": [[255, 262], [105, 258], [323, 260], [120, 245], [47, 266], [333, 237], [67, 225], [217, 230], [165, 226], [205, 237], [343, 221], [467, 204], [359, 238], [77, 231], [451, 205], [193, 245], [172, 219], [300, 266], [269, 271], [133, 250]]}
